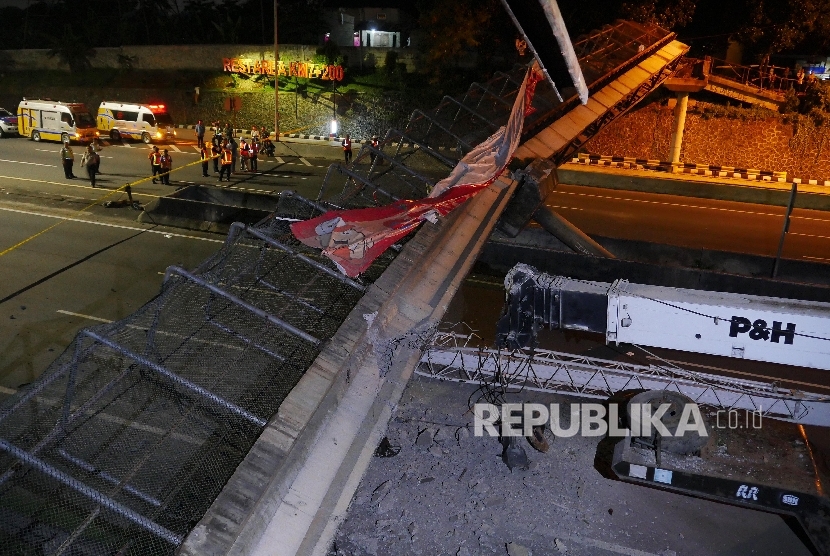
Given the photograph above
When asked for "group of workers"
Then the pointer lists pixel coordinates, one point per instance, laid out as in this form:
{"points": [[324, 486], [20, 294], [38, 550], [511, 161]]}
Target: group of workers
{"points": [[223, 150]]}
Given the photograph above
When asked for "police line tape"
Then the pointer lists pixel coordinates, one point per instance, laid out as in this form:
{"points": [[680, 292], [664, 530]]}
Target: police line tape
{"points": [[124, 188]]}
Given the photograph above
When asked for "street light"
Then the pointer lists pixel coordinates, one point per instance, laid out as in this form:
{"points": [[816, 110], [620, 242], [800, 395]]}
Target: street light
{"points": [[276, 79]]}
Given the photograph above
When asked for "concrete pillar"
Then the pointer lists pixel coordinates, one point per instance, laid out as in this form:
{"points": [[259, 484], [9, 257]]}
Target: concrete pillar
{"points": [[679, 125]]}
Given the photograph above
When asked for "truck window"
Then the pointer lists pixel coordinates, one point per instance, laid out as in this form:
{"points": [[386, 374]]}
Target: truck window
{"points": [[67, 119], [85, 119], [164, 119], [150, 119]]}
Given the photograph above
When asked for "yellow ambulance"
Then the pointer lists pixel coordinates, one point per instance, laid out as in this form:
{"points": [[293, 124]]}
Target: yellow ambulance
{"points": [[147, 122], [55, 121]]}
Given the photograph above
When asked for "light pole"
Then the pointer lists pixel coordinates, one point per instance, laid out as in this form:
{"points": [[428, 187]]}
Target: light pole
{"points": [[276, 79]]}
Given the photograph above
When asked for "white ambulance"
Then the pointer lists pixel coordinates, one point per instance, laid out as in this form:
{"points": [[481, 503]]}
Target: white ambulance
{"points": [[147, 122], [55, 121]]}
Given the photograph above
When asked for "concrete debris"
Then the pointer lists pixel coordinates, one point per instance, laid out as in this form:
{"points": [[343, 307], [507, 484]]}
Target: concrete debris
{"points": [[435, 450], [467, 503], [381, 491], [514, 549], [462, 434], [479, 486], [424, 439], [386, 505]]}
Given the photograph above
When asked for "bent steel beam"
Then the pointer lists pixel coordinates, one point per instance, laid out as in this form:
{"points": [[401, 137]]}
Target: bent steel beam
{"points": [[276, 244], [423, 146], [195, 388], [244, 304], [89, 492]]}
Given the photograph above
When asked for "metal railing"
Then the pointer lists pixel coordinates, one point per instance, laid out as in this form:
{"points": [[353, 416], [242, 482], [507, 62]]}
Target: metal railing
{"points": [[769, 78]]}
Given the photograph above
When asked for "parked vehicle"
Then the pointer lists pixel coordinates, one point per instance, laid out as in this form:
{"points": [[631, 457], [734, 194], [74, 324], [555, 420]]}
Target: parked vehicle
{"points": [[8, 123], [55, 121], [147, 122]]}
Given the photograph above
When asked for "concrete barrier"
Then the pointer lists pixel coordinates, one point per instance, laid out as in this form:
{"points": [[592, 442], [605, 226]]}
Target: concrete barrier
{"points": [[761, 192], [208, 208]]}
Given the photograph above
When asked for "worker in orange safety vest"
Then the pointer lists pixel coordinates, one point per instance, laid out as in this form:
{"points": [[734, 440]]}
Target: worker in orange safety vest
{"points": [[155, 162], [227, 161]]}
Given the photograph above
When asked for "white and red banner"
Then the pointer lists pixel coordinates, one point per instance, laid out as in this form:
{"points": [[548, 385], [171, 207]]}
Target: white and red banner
{"points": [[353, 239]]}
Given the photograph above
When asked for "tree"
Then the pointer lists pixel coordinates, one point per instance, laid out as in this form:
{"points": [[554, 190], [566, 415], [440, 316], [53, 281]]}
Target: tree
{"points": [[775, 26], [451, 29], [72, 50], [668, 14]]}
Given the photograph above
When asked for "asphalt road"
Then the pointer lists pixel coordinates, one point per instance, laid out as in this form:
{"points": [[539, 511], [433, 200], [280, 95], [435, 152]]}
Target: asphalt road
{"points": [[694, 222], [97, 264], [34, 169]]}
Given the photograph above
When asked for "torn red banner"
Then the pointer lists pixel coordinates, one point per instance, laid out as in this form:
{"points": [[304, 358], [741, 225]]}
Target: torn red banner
{"points": [[353, 239]]}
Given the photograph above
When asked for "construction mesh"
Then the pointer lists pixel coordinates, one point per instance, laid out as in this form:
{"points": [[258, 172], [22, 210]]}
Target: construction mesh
{"points": [[127, 438]]}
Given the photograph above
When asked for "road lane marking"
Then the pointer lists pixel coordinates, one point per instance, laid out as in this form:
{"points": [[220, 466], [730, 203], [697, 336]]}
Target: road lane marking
{"points": [[667, 204], [304, 161], [684, 205], [67, 185], [126, 144], [279, 160], [175, 148], [807, 235], [90, 317], [109, 225], [110, 193], [48, 151], [30, 163], [161, 332]]}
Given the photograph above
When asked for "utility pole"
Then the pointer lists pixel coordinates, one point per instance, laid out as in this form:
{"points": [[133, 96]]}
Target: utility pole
{"points": [[276, 79]]}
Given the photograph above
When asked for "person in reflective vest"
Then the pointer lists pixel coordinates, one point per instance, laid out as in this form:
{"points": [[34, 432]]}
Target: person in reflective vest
{"points": [[245, 155], [166, 167], [67, 159], [155, 162], [227, 160], [347, 148], [375, 145]]}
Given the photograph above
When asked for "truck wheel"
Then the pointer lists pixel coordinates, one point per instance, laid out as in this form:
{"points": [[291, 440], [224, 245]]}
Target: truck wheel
{"points": [[64, 138], [114, 135], [36, 136], [146, 138]]}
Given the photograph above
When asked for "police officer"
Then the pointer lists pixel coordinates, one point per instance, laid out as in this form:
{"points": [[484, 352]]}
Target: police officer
{"points": [[67, 160], [200, 134]]}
